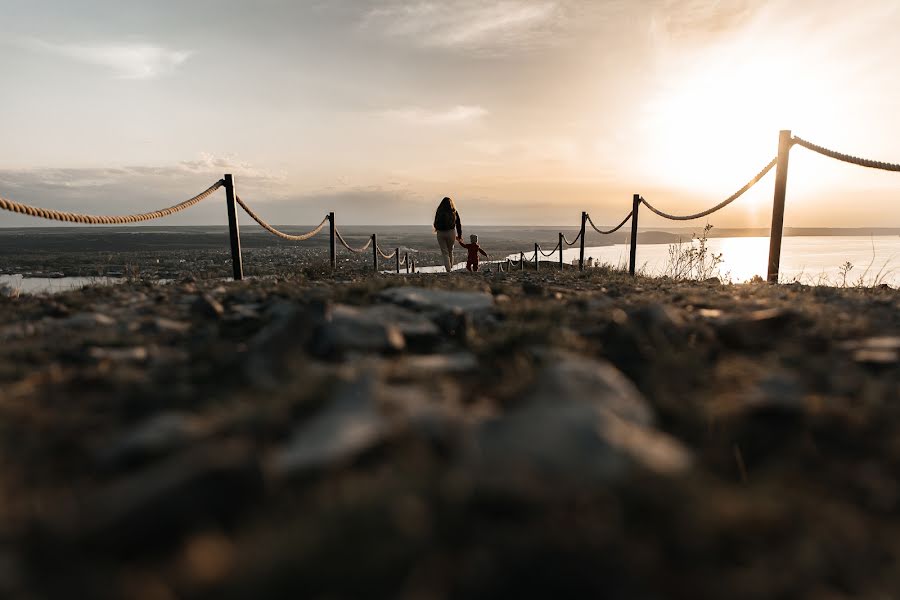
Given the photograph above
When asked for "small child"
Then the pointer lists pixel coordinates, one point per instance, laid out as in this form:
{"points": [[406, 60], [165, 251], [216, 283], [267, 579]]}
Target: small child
{"points": [[474, 249]]}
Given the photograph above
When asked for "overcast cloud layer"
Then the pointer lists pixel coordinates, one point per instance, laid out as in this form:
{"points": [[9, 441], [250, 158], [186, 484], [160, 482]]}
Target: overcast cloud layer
{"points": [[526, 111]]}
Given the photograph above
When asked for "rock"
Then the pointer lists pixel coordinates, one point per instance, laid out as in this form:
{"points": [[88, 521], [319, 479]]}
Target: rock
{"points": [[159, 505], [350, 329], [347, 426], [584, 422], [134, 354], [207, 306], [755, 329], [87, 321], [163, 325], [429, 300], [159, 435], [883, 350], [7, 291], [427, 366], [533, 289], [417, 330]]}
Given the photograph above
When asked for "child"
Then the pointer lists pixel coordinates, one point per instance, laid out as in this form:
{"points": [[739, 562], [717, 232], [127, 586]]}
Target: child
{"points": [[474, 249]]}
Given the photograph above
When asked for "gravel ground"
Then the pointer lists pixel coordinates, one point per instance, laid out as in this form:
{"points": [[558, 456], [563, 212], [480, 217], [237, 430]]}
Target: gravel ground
{"points": [[450, 436]]}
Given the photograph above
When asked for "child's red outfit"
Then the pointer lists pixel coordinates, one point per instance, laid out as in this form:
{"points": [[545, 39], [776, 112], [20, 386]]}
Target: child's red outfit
{"points": [[472, 258]]}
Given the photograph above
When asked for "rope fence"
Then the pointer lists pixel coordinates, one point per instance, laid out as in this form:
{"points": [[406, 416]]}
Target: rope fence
{"points": [[70, 217], [780, 163]]}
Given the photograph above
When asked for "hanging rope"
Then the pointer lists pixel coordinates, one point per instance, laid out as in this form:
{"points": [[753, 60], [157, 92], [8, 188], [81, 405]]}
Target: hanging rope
{"points": [[573, 242], [348, 246], [718, 206], [69, 217], [613, 230], [382, 253], [551, 253], [281, 234], [863, 162]]}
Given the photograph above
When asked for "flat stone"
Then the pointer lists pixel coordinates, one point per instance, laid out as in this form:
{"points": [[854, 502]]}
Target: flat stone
{"points": [[595, 383], [164, 325], [414, 327], [159, 435], [422, 299], [583, 422], [754, 329], [134, 354], [347, 426], [350, 329], [87, 321], [207, 306], [427, 365]]}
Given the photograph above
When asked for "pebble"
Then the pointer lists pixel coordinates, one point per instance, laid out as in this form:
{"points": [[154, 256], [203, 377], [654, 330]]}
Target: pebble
{"points": [[207, 306], [350, 329], [156, 436], [347, 426], [422, 299]]}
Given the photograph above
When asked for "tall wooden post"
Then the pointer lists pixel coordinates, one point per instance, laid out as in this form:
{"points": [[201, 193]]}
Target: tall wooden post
{"points": [[560, 251], [521, 261], [375, 253], [781, 172], [406, 260], [234, 233], [397, 256], [635, 206], [331, 247], [581, 254], [537, 260]]}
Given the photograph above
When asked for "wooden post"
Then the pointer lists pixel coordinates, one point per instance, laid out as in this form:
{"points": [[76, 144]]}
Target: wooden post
{"points": [[331, 247], [521, 261], [560, 251], [406, 257], [581, 255], [537, 260], [397, 256], [375, 253], [234, 233], [636, 204], [781, 172]]}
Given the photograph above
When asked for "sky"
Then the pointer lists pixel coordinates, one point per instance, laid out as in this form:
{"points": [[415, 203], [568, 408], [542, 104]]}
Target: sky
{"points": [[526, 112]]}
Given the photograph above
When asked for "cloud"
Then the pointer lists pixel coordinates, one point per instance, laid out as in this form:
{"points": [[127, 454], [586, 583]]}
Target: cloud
{"points": [[422, 116], [686, 19], [467, 24], [128, 61]]}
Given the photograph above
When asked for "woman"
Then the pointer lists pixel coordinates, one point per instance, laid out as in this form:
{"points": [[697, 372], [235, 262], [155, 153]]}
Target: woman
{"points": [[446, 219]]}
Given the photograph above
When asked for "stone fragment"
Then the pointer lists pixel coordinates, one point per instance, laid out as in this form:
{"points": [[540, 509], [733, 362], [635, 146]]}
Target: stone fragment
{"points": [[583, 422], [207, 306], [347, 426], [350, 329], [755, 329], [883, 350], [164, 325], [87, 321], [422, 299], [416, 329], [134, 354], [156, 436]]}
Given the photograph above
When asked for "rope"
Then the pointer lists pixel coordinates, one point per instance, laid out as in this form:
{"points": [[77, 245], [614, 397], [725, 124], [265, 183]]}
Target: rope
{"points": [[718, 206], [348, 246], [68, 217], [383, 255], [551, 253], [614, 229], [573, 242], [863, 162], [273, 231]]}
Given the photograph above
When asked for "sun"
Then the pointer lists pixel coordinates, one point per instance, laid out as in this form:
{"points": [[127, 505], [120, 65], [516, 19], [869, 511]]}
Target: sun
{"points": [[711, 127]]}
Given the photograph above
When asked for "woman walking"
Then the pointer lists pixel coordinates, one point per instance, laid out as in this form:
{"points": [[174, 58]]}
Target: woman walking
{"points": [[446, 219]]}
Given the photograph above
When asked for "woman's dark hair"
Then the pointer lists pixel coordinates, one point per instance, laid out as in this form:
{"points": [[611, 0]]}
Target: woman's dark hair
{"points": [[446, 206]]}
